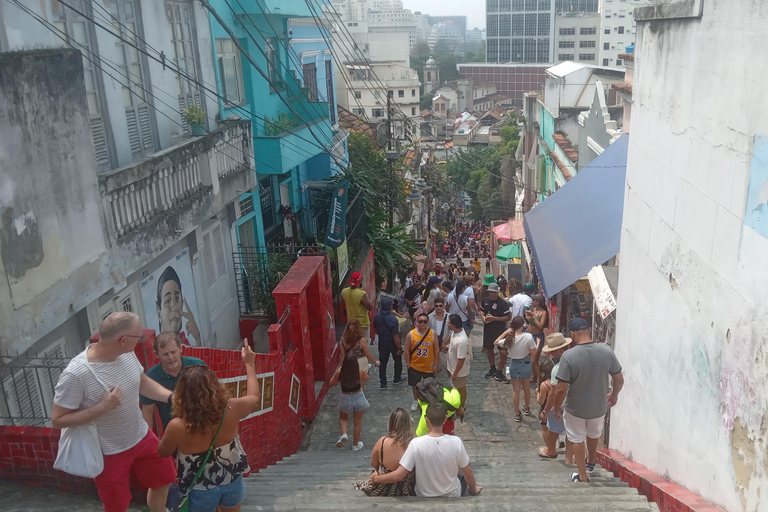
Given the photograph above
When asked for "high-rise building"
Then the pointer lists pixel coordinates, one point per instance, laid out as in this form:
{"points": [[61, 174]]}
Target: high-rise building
{"points": [[383, 16], [617, 29], [520, 31], [577, 37], [475, 34]]}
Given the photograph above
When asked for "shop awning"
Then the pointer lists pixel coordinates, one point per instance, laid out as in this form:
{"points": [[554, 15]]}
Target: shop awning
{"points": [[511, 230], [579, 226]]}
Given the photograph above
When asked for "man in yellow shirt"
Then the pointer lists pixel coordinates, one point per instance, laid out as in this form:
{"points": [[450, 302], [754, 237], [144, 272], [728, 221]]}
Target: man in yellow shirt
{"points": [[357, 303], [420, 356]]}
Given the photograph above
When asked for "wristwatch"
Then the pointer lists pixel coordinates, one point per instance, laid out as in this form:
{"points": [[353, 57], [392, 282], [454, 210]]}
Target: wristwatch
{"points": [[170, 397]]}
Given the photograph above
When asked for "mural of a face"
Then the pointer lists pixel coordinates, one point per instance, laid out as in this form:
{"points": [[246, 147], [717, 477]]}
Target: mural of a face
{"points": [[171, 303]]}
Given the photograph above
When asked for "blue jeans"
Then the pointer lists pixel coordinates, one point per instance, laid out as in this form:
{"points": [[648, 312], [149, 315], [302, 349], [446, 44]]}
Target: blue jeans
{"points": [[387, 348], [225, 495]]}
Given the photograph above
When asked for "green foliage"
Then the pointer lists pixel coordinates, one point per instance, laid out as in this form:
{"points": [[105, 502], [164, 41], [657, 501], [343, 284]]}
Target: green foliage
{"points": [[265, 273], [509, 133], [474, 51], [275, 127], [369, 175], [194, 115], [425, 102]]}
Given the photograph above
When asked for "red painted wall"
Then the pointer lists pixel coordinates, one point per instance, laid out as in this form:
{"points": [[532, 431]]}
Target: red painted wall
{"points": [[298, 347]]}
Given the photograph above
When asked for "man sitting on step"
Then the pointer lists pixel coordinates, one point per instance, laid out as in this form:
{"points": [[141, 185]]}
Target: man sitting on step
{"points": [[436, 459]]}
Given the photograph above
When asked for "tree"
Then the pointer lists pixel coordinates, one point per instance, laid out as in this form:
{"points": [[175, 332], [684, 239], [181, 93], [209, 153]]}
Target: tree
{"points": [[425, 102], [421, 48]]}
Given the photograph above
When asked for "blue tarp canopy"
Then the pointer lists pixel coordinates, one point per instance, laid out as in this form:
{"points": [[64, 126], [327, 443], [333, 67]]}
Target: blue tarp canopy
{"points": [[579, 226]]}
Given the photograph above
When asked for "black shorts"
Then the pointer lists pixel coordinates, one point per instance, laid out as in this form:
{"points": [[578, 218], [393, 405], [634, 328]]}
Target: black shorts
{"points": [[415, 376], [488, 342]]}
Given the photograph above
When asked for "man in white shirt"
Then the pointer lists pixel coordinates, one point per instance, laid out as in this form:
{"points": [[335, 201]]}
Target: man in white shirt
{"points": [[522, 301], [436, 458], [102, 385], [458, 359]]}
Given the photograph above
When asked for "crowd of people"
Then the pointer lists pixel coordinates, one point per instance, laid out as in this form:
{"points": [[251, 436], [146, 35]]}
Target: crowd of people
{"points": [[443, 304]]}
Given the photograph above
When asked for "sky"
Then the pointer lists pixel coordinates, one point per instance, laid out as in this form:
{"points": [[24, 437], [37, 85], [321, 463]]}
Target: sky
{"points": [[474, 10]]}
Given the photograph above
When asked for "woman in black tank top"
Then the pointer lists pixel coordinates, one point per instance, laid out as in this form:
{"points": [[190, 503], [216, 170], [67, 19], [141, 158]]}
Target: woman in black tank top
{"points": [[351, 399]]}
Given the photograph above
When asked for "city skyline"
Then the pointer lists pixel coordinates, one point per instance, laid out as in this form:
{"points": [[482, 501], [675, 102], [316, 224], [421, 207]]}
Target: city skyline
{"points": [[450, 8]]}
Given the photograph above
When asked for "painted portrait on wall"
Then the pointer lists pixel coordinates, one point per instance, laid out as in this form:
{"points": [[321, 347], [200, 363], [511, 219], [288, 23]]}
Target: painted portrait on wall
{"points": [[169, 299]]}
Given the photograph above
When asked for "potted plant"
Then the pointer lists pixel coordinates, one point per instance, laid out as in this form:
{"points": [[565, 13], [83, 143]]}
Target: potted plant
{"points": [[195, 118]]}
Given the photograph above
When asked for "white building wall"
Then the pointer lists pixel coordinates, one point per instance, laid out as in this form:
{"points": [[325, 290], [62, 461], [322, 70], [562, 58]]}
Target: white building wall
{"points": [[693, 287], [617, 19], [584, 41]]}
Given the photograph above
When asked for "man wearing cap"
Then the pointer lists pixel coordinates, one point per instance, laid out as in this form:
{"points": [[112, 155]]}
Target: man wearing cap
{"points": [[494, 313], [554, 346], [388, 329], [414, 295], [357, 303], [582, 380], [521, 302]]}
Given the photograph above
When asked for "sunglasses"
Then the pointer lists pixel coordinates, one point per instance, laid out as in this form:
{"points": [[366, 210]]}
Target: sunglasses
{"points": [[198, 365], [422, 321], [142, 338], [439, 305]]}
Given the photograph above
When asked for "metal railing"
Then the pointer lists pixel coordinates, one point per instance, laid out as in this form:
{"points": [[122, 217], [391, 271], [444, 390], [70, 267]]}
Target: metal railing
{"points": [[27, 387]]}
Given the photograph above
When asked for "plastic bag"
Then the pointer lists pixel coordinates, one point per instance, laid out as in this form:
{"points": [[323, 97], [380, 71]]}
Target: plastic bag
{"points": [[80, 452]]}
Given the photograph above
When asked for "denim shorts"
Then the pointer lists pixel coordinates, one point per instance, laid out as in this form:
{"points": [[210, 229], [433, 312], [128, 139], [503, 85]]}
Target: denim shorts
{"points": [[228, 495], [553, 424], [353, 403], [521, 368]]}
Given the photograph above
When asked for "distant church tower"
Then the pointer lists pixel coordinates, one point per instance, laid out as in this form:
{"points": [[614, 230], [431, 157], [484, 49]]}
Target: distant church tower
{"points": [[431, 76]]}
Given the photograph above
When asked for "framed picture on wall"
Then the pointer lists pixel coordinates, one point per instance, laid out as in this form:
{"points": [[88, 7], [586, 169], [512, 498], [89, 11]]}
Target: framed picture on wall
{"points": [[294, 400]]}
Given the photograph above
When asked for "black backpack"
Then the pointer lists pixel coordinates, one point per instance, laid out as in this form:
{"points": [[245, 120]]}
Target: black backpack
{"points": [[431, 391]]}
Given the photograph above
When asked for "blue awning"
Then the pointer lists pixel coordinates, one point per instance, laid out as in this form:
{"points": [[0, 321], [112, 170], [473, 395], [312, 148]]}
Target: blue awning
{"points": [[579, 226]]}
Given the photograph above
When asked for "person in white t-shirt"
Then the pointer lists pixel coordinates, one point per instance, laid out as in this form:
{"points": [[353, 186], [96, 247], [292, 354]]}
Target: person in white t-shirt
{"points": [[521, 302], [458, 359], [521, 348], [436, 458], [102, 385]]}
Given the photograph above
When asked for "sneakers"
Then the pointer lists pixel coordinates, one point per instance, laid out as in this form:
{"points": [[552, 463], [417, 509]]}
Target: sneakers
{"points": [[383, 387], [398, 381], [526, 411], [590, 467], [491, 373], [576, 478], [518, 417], [414, 406], [358, 446], [501, 377], [342, 439]]}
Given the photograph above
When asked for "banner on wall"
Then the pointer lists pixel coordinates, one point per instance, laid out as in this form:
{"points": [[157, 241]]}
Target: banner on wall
{"points": [[335, 233], [601, 291], [170, 302]]}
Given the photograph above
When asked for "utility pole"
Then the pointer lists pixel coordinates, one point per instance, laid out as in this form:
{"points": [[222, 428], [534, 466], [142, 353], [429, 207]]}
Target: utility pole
{"points": [[391, 157]]}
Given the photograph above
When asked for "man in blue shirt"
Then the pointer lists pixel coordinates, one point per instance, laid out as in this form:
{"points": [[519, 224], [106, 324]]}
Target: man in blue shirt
{"points": [[388, 329], [168, 349]]}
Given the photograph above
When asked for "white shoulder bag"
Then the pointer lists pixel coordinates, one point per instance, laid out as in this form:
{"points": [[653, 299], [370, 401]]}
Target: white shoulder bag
{"points": [[79, 448]]}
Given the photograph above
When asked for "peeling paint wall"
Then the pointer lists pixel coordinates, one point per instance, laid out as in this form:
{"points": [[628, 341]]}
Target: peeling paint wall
{"points": [[52, 244], [692, 329]]}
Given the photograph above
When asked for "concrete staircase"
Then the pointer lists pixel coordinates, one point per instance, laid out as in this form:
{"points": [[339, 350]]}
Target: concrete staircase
{"points": [[503, 455]]}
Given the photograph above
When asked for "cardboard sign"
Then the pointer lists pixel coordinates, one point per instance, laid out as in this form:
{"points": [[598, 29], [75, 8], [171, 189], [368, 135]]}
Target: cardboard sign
{"points": [[601, 291]]}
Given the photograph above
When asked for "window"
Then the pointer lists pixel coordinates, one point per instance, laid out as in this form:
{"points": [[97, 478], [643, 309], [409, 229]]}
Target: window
{"points": [[608, 31], [530, 50], [530, 24], [493, 50], [493, 5], [587, 31], [543, 24], [273, 71], [531, 5], [518, 21], [401, 93], [565, 56], [413, 111], [504, 55], [230, 71], [215, 265], [606, 46], [586, 44], [267, 202], [516, 50], [621, 30], [377, 112], [492, 25], [505, 6], [413, 93], [504, 25], [391, 94], [310, 80], [586, 56], [358, 111], [517, 5], [605, 62], [542, 55], [567, 31], [618, 62], [358, 95], [429, 76], [567, 44]]}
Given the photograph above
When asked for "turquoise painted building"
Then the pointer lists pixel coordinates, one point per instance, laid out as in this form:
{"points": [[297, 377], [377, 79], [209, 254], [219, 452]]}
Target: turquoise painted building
{"points": [[283, 81]]}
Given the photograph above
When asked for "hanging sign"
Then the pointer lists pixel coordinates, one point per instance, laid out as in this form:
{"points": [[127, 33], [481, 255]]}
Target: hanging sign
{"points": [[335, 233], [601, 291]]}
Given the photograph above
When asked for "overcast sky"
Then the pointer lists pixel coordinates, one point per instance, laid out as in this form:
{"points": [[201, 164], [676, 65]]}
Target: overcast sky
{"points": [[474, 10]]}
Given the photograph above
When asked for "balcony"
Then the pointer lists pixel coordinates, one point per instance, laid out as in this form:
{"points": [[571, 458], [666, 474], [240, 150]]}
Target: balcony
{"points": [[169, 193], [287, 8], [279, 153]]}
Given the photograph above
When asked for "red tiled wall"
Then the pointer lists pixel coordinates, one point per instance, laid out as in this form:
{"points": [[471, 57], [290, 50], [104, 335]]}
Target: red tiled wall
{"points": [[27, 453], [669, 496]]}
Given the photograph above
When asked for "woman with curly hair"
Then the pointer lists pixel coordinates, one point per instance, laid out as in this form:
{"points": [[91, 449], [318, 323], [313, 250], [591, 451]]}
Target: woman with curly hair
{"points": [[204, 436], [353, 341]]}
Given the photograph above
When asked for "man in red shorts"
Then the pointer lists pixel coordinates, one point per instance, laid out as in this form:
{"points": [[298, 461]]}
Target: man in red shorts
{"points": [[102, 385]]}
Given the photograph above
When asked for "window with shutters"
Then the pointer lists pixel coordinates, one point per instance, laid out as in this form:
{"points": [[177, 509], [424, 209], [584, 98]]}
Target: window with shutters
{"points": [[310, 80], [329, 89], [180, 16], [215, 266], [230, 71], [138, 113], [79, 34]]}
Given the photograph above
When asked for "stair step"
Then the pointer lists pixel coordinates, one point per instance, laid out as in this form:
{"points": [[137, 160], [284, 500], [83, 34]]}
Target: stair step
{"points": [[466, 504]]}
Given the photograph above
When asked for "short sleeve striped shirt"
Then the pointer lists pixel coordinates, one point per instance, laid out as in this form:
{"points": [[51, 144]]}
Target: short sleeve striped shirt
{"points": [[121, 428]]}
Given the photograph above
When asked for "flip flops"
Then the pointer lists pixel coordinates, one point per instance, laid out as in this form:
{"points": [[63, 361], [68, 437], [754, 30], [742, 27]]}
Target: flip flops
{"points": [[544, 455]]}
